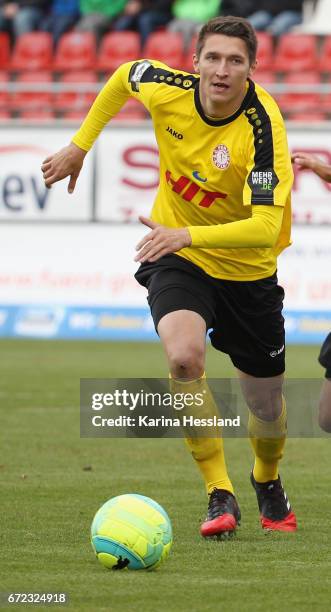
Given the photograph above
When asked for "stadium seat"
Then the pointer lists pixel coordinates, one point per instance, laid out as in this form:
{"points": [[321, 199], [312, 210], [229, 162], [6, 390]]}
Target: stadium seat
{"points": [[296, 52], [300, 102], [132, 110], [76, 51], [4, 51], [264, 51], [326, 99], [4, 115], [166, 47], [324, 62], [264, 76], [32, 100], [116, 48], [33, 51], [37, 115], [76, 100], [4, 95], [308, 118], [78, 115]]}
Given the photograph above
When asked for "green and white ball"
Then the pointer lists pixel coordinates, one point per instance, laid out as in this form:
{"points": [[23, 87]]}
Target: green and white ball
{"points": [[131, 531]]}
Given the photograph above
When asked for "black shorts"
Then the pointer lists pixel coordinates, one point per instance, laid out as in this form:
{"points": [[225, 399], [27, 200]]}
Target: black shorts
{"points": [[325, 356], [245, 317]]}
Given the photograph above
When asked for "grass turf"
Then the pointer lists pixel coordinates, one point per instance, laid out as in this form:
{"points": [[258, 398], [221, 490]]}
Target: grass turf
{"points": [[52, 482]]}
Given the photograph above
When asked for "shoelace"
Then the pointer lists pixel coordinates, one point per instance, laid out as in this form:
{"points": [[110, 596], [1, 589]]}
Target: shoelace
{"points": [[218, 503], [275, 496]]}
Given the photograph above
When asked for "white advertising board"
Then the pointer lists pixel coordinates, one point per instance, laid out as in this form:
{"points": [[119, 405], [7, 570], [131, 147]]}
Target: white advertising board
{"points": [[23, 195], [94, 264], [120, 177]]}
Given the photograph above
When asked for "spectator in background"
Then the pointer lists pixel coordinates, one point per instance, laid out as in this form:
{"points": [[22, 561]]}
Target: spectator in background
{"points": [[22, 16], [277, 17], [189, 16], [62, 17], [98, 15], [238, 8], [144, 16]]}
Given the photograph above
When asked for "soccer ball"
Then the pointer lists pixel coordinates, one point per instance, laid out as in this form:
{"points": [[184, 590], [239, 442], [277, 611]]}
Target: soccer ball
{"points": [[131, 531]]}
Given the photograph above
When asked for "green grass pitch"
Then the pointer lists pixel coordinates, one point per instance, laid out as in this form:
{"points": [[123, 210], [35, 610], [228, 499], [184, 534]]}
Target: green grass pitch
{"points": [[52, 482]]}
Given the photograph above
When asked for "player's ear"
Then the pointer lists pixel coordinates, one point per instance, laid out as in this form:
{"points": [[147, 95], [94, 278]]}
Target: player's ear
{"points": [[196, 63], [252, 69]]}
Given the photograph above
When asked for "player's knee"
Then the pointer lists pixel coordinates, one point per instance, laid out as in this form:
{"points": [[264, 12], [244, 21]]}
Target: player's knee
{"points": [[265, 406], [186, 362]]}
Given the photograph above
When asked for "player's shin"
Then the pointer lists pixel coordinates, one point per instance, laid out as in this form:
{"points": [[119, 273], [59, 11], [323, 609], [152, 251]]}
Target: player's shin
{"points": [[268, 441], [205, 444]]}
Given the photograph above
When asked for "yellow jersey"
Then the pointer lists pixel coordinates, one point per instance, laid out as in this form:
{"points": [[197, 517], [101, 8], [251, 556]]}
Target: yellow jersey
{"points": [[212, 172]]}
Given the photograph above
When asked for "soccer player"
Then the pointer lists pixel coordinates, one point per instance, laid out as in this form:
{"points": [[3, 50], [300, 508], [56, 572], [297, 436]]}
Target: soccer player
{"points": [[220, 218], [323, 170]]}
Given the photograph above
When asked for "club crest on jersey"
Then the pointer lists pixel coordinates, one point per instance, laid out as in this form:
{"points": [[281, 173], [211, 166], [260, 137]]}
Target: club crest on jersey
{"points": [[221, 157]]}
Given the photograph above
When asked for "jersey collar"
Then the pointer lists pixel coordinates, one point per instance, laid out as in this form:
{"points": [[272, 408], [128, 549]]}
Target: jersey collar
{"points": [[218, 122]]}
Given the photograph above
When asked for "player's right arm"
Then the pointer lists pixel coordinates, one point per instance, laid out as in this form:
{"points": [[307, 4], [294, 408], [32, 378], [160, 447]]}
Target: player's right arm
{"points": [[123, 83], [305, 161]]}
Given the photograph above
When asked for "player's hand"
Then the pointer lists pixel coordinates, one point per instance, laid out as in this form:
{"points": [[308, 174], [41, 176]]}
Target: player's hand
{"points": [[303, 160], [161, 241], [66, 162]]}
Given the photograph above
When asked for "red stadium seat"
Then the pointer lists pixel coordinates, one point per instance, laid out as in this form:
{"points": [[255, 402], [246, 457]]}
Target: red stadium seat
{"points": [[326, 99], [37, 115], [76, 100], [300, 102], [4, 95], [4, 51], [166, 47], [324, 62], [188, 61], [308, 117], [264, 78], [117, 48], [32, 100], [296, 52], [76, 51], [74, 115], [264, 51], [33, 51]]}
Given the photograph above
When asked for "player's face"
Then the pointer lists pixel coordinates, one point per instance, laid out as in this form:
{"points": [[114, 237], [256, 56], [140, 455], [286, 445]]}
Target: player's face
{"points": [[224, 66]]}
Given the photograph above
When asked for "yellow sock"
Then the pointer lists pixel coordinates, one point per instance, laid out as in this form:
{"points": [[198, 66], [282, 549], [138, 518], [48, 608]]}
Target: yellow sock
{"points": [[268, 441], [207, 452]]}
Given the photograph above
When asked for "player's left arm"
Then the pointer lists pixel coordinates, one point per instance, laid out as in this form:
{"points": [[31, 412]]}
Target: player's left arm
{"points": [[260, 230]]}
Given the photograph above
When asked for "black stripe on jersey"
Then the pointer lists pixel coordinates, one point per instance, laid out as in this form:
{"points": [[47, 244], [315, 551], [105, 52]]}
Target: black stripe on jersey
{"points": [[159, 75], [262, 178]]}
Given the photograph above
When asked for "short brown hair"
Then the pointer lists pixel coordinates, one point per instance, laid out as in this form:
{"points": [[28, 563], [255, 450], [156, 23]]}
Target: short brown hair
{"points": [[230, 26]]}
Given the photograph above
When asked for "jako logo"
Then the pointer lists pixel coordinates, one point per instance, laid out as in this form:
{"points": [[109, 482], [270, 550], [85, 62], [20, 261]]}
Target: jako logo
{"points": [[174, 133]]}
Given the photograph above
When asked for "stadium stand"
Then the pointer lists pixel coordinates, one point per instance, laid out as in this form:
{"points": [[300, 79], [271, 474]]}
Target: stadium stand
{"points": [[296, 52], [295, 59], [24, 101], [167, 47], [117, 48], [75, 100], [32, 51], [76, 51], [4, 50], [308, 102], [265, 51], [4, 95], [324, 62]]}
